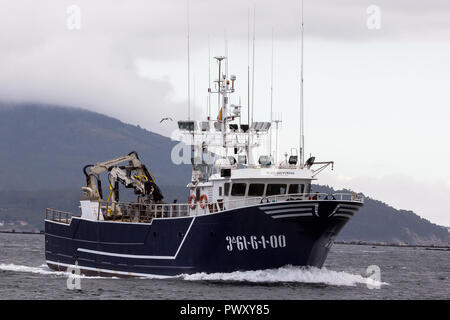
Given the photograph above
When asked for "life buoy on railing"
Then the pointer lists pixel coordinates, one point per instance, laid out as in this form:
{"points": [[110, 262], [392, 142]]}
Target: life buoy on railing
{"points": [[192, 201], [264, 200], [203, 204]]}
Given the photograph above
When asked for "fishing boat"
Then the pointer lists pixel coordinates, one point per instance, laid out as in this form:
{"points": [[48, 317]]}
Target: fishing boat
{"points": [[245, 210]]}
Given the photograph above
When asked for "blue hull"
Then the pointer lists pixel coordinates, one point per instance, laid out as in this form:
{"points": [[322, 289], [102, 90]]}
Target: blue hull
{"points": [[265, 236]]}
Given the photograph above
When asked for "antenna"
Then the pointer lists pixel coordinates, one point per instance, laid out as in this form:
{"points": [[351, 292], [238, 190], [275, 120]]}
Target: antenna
{"points": [[209, 78], [271, 101], [248, 68], [239, 106], [277, 121], [189, 63], [220, 91], [302, 139], [253, 63], [193, 100], [226, 52]]}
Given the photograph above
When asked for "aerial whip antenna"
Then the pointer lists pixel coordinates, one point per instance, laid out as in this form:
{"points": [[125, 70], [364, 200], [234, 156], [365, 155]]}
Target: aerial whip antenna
{"points": [[248, 68], [193, 100], [253, 63], [226, 52], [189, 63], [302, 139], [209, 78], [271, 102]]}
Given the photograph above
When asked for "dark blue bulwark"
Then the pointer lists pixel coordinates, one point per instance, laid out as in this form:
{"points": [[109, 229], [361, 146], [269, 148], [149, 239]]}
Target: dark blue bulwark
{"points": [[270, 235]]}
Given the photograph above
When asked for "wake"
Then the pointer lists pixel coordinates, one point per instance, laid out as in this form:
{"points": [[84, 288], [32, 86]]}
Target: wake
{"points": [[44, 270], [288, 274]]}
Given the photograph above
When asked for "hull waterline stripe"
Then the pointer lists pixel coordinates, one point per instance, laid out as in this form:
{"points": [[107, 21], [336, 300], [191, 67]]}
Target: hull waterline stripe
{"points": [[288, 210], [134, 274], [297, 205], [134, 256], [292, 215]]}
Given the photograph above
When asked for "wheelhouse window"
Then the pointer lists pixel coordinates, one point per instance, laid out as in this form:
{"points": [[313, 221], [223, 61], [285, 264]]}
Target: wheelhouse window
{"points": [[308, 188], [296, 188], [275, 189], [226, 189], [256, 189], [238, 189]]}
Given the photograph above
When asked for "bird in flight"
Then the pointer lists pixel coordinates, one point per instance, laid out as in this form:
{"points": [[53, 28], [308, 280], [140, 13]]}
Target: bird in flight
{"points": [[163, 119]]}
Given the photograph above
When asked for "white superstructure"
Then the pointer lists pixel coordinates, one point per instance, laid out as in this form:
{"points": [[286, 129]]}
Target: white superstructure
{"points": [[228, 159]]}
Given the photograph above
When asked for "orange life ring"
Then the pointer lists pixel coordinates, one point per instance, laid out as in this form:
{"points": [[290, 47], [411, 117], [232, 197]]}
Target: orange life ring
{"points": [[203, 204], [192, 201]]}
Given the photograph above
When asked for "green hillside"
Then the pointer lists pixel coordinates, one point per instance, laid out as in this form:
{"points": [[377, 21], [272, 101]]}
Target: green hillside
{"points": [[44, 149]]}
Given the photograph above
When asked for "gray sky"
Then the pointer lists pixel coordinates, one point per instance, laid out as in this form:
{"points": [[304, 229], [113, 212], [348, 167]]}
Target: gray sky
{"points": [[376, 101]]}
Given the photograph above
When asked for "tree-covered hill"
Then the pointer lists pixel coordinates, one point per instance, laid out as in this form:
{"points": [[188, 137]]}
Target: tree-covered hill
{"points": [[43, 150]]}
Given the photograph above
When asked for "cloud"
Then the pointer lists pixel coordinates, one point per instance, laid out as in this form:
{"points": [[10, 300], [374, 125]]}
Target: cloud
{"points": [[95, 67], [41, 60]]}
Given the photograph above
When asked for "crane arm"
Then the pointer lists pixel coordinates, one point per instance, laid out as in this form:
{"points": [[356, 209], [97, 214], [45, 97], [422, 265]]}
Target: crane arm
{"points": [[101, 167], [142, 182]]}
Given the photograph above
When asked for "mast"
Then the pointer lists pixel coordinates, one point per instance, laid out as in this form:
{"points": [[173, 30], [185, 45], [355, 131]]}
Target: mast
{"points": [[248, 68], [277, 121], [189, 62], [302, 139], [209, 78], [220, 92], [271, 102], [193, 99], [253, 63], [226, 52]]}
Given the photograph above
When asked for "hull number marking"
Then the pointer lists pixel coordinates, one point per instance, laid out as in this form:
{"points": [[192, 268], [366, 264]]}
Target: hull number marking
{"points": [[242, 243]]}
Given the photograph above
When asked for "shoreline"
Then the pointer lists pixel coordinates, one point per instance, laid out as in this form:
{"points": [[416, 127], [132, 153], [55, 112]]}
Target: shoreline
{"points": [[20, 232], [377, 244], [359, 243]]}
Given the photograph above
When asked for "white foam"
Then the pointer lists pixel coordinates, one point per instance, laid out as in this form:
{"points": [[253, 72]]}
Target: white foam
{"points": [[288, 274], [283, 274], [42, 269], [20, 268]]}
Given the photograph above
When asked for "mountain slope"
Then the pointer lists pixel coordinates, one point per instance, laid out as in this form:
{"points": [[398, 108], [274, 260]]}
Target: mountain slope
{"points": [[44, 149], [378, 222]]}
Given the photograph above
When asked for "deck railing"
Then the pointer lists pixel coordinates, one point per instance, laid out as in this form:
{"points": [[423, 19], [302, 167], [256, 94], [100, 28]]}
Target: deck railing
{"points": [[141, 212], [144, 213], [58, 216], [249, 201]]}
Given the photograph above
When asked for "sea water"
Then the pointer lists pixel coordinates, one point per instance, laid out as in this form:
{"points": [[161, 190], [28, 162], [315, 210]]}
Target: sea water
{"points": [[402, 273]]}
